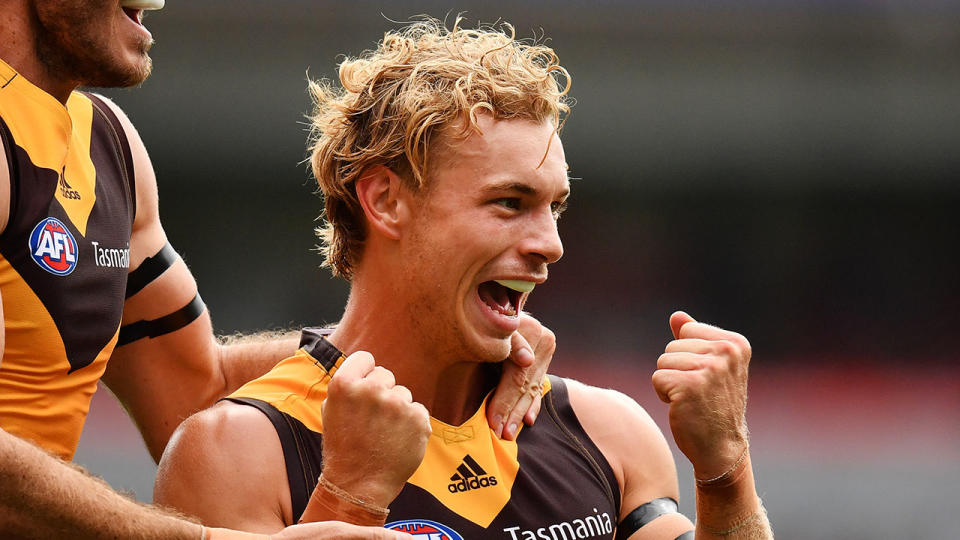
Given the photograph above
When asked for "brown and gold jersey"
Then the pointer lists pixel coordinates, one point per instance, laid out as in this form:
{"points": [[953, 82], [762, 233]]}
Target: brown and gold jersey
{"points": [[551, 483], [64, 257]]}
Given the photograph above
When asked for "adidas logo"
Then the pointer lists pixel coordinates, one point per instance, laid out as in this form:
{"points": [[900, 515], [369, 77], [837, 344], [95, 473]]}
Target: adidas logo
{"points": [[66, 191], [470, 475]]}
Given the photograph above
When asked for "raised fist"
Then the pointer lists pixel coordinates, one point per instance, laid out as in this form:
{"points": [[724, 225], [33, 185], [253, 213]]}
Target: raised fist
{"points": [[374, 434], [703, 376]]}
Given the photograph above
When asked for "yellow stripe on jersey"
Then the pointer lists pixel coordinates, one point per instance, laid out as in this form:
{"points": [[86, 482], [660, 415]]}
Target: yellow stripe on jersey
{"points": [[449, 447], [296, 386], [43, 127]]}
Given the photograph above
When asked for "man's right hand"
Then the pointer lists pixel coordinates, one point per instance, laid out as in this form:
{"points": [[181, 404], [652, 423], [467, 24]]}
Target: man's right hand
{"points": [[367, 414], [329, 530], [337, 530]]}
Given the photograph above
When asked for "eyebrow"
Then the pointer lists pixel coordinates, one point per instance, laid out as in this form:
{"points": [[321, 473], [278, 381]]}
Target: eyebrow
{"points": [[519, 187]]}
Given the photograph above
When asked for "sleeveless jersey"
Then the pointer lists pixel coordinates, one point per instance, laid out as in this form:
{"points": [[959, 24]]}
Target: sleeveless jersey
{"points": [[551, 483], [64, 257]]}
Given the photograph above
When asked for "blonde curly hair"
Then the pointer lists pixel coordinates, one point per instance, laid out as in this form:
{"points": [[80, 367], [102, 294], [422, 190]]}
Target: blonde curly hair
{"points": [[420, 81]]}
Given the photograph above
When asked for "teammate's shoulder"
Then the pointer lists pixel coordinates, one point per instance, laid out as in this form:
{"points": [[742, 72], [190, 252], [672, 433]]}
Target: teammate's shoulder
{"points": [[597, 397], [222, 424]]}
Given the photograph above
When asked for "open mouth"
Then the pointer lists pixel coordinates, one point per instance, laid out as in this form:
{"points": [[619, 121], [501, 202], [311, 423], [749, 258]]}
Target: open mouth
{"points": [[135, 15], [503, 295]]}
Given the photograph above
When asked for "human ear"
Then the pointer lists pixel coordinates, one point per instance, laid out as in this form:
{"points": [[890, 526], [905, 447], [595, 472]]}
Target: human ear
{"points": [[382, 196]]}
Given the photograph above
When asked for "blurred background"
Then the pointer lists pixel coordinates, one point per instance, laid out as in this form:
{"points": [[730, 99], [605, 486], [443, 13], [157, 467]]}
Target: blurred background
{"points": [[784, 169]]}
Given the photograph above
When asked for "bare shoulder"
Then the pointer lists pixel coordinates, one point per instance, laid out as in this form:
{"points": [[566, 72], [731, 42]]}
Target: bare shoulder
{"points": [[631, 441], [224, 465]]}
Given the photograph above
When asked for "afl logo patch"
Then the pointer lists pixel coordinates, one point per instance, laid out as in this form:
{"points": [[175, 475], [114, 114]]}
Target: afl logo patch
{"points": [[424, 529], [53, 247]]}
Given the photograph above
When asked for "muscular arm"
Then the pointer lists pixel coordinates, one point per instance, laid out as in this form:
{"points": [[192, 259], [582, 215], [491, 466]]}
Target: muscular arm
{"points": [[44, 497], [225, 467], [163, 380]]}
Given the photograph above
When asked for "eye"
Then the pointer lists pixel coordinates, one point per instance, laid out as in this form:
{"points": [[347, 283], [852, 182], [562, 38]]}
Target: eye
{"points": [[512, 203], [558, 208]]}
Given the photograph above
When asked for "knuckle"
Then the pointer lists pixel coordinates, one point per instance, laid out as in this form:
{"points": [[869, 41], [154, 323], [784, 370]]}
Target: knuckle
{"points": [[548, 340], [727, 348], [519, 378]]}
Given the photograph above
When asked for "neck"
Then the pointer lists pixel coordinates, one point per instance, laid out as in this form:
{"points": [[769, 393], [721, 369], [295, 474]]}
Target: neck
{"points": [[451, 388], [18, 49]]}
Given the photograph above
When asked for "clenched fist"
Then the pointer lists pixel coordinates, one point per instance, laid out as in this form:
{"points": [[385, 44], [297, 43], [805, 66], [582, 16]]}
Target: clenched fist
{"points": [[703, 376], [374, 434]]}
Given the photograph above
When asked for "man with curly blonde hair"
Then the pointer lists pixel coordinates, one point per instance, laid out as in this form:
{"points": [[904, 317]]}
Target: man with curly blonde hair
{"points": [[443, 177]]}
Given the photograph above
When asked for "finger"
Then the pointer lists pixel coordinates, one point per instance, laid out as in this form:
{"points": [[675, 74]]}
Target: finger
{"points": [[533, 411], [373, 533], [677, 321], [509, 390], [699, 330], [382, 377], [521, 353], [403, 392], [680, 361], [532, 391], [340, 530], [512, 424], [530, 328], [356, 366], [423, 413], [661, 384], [668, 383], [700, 346]]}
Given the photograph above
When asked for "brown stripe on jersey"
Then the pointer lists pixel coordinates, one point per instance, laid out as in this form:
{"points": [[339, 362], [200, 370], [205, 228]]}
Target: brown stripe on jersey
{"points": [[124, 157]]}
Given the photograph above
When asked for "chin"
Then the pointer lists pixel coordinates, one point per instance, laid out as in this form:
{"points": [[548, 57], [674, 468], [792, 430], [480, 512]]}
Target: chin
{"points": [[492, 350]]}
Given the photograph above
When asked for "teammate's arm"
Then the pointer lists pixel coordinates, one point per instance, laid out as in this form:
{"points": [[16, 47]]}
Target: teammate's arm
{"points": [[161, 380]]}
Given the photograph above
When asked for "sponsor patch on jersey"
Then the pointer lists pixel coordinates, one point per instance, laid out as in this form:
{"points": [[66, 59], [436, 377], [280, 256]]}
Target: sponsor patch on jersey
{"points": [[53, 247], [424, 529]]}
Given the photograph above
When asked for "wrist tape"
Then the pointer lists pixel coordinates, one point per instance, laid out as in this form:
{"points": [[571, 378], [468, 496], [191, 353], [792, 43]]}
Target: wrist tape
{"points": [[329, 502]]}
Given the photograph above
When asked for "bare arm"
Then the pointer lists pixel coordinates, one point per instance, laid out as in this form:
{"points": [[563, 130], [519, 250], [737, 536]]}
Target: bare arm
{"points": [[190, 360], [636, 451], [225, 467], [44, 497]]}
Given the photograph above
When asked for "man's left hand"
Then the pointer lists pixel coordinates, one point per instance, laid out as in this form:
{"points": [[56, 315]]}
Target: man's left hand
{"points": [[703, 376], [517, 397]]}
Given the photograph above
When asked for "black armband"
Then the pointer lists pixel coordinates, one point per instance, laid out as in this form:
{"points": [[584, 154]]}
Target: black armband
{"points": [[150, 269], [643, 514], [164, 325]]}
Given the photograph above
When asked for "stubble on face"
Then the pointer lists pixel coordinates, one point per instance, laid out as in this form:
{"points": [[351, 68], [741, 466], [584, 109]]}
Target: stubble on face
{"points": [[76, 41]]}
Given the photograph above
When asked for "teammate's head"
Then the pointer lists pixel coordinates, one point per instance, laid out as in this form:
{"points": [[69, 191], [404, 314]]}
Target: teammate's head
{"points": [[423, 87], [91, 42]]}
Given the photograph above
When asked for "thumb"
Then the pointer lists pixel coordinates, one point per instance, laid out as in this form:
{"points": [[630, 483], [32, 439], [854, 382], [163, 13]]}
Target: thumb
{"points": [[356, 366], [677, 320]]}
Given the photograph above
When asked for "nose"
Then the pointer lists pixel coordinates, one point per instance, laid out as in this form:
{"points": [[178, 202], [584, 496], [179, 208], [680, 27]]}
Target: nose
{"points": [[543, 240]]}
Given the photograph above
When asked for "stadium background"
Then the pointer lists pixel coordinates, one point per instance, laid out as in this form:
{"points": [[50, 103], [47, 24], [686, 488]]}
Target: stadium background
{"points": [[785, 169]]}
